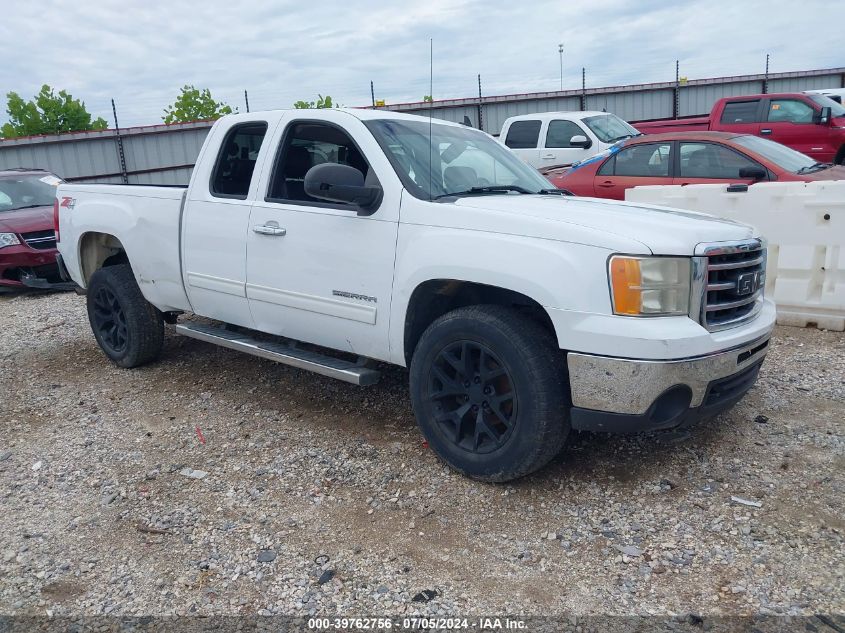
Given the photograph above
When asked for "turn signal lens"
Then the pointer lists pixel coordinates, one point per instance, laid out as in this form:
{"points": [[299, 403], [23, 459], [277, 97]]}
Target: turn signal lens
{"points": [[649, 286]]}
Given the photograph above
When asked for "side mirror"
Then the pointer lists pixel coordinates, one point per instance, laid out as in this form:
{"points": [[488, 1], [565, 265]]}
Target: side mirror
{"points": [[341, 183], [824, 115], [579, 140], [753, 173]]}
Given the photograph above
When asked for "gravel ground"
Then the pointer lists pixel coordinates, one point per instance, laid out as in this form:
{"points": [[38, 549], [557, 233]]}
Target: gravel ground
{"points": [[216, 483]]}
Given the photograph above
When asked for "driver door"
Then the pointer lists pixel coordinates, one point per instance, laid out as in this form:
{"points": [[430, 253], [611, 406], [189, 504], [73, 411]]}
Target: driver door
{"points": [[324, 273]]}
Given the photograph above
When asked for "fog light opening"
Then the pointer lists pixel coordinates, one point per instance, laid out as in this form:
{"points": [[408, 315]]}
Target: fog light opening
{"points": [[671, 404]]}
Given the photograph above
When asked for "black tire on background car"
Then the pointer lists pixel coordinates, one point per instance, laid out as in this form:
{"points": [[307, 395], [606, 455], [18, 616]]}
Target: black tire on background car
{"points": [[127, 327], [489, 392]]}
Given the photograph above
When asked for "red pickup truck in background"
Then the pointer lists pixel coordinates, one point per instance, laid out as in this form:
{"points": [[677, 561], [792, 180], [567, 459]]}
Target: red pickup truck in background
{"points": [[809, 123]]}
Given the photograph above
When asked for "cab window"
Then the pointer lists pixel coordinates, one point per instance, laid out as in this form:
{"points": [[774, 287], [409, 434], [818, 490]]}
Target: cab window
{"points": [[304, 145], [560, 133], [790, 111], [236, 161], [708, 160], [648, 159], [740, 111], [523, 135]]}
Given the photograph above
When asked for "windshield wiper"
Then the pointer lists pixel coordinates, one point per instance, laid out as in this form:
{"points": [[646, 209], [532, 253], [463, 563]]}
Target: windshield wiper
{"points": [[487, 189], [556, 192], [814, 167]]}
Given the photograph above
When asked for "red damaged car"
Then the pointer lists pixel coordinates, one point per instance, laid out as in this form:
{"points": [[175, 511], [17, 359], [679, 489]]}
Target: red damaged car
{"points": [[687, 158], [27, 238]]}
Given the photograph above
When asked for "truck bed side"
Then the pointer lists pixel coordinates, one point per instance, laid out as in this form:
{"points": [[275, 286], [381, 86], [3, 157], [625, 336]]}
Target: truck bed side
{"points": [[96, 222], [691, 124]]}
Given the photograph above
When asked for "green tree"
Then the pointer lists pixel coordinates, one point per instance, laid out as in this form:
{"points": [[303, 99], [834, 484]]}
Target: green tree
{"points": [[193, 104], [322, 102], [47, 113], [427, 99]]}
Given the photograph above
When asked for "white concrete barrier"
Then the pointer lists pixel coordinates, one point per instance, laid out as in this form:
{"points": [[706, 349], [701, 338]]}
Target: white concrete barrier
{"points": [[805, 227]]}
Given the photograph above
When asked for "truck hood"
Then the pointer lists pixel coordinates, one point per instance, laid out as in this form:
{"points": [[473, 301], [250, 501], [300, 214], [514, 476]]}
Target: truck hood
{"points": [[26, 220], [593, 221]]}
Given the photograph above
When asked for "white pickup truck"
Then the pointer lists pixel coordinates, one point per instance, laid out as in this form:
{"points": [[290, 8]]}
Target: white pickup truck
{"points": [[330, 239], [558, 139]]}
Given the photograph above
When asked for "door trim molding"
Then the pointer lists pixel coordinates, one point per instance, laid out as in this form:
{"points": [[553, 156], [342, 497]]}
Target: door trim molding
{"points": [[217, 284], [312, 303]]}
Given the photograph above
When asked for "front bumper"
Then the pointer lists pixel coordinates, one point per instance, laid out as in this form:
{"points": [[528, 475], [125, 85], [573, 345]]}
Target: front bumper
{"points": [[25, 267], [624, 395]]}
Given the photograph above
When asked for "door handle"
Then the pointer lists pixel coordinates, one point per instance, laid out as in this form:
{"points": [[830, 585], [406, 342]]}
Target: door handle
{"points": [[269, 229], [607, 183], [765, 131], [547, 156]]}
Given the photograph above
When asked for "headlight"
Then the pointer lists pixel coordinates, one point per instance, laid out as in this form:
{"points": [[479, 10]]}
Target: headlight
{"points": [[649, 286], [8, 239]]}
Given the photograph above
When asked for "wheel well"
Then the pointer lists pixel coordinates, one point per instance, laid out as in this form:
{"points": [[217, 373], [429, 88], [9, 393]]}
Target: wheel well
{"points": [[98, 250], [840, 156], [432, 299]]}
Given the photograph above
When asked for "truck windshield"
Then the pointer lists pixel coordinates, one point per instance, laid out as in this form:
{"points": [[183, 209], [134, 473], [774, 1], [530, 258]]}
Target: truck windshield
{"points": [[453, 160], [25, 191], [781, 155], [836, 109], [610, 128]]}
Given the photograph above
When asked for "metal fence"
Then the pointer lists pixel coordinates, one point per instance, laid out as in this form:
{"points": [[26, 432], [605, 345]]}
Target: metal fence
{"points": [[165, 154], [633, 103]]}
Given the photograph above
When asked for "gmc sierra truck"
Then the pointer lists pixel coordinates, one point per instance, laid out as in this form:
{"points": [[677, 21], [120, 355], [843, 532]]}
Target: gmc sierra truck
{"points": [[331, 239]]}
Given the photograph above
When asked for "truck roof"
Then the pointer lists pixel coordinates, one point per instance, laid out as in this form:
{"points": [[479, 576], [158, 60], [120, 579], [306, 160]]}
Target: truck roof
{"points": [[363, 114], [570, 114]]}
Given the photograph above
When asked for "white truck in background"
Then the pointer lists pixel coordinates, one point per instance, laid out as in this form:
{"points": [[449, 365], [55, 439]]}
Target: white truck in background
{"points": [[329, 239], [558, 139]]}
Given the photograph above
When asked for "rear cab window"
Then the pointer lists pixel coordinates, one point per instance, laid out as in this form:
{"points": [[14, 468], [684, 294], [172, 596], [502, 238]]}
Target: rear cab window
{"points": [[523, 135], [740, 112], [235, 164]]}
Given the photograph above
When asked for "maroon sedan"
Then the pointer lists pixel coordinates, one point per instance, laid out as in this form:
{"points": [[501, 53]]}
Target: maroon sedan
{"points": [[689, 158], [27, 239]]}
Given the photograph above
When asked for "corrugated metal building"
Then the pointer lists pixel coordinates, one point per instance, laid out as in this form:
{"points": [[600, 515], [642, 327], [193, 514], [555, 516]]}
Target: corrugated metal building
{"points": [[165, 154]]}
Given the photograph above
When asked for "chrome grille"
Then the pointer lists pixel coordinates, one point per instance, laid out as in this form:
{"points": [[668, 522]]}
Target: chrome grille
{"points": [[41, 240], [733, 283]]}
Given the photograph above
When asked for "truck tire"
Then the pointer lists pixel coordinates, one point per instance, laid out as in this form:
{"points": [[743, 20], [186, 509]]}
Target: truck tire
{"points": [[489, 392], [128, 328]]}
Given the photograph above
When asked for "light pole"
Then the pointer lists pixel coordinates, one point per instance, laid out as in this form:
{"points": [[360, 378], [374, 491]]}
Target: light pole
{"points": [[560, 52]]}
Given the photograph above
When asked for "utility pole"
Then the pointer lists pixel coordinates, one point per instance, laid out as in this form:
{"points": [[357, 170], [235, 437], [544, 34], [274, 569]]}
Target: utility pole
{"points": [[373, 93], [676, 105], [560, 53], [246, 99]]}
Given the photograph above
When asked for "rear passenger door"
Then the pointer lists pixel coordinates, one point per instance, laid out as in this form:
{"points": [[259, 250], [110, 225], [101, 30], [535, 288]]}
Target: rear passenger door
{"points": [[741, 116], [318, 271], [215, 221], [523, 138], [559, 150], [634, 166]]}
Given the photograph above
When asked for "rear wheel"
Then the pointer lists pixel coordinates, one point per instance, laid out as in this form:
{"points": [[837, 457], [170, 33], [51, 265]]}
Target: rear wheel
{"points": [[489, 392], [127, 327]]}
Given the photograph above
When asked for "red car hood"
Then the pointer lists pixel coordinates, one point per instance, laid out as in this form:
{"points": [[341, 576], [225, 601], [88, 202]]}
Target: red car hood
{"points": [[837, 172], [26, 220]]}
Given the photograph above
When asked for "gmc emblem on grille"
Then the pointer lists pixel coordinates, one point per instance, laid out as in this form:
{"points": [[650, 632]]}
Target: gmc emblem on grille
{"points": [[748, 283]]}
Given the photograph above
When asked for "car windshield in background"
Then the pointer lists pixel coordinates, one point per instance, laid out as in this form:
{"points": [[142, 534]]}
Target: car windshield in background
{"points": [[836, 109], [453, 160], [780, 155], [610, 128], [23, 192]]}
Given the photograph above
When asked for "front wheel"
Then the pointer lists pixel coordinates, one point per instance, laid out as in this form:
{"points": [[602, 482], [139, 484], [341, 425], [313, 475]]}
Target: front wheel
{"points": [[489, 392], [127, 327]]}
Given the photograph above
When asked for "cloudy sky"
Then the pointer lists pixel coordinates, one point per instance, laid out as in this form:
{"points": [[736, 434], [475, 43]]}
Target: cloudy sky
{"points": [[140, 52]]}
